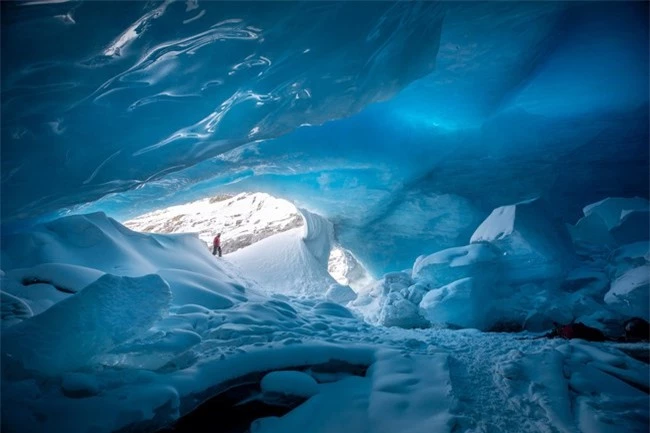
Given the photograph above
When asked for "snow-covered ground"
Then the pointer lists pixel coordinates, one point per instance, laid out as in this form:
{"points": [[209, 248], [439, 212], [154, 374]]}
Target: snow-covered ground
{"points": [[105, 329]]}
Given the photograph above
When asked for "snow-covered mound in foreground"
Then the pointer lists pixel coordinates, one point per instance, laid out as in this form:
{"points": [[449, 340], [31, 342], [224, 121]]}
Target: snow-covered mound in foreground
{"points": [[130, 351]]}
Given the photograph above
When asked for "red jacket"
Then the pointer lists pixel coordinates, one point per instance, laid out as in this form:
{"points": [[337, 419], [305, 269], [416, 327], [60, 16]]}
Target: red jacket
{"points": [[217, 241]]}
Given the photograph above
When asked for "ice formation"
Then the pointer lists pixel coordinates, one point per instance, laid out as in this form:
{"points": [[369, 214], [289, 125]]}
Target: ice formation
{"points": [[485, 162]]}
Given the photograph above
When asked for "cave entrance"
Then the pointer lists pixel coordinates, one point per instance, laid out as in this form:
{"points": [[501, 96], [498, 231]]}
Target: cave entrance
{"points": [[244, 219]]}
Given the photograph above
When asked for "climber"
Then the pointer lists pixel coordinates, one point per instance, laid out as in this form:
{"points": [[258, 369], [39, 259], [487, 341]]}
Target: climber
{"points": [[216, 245]]}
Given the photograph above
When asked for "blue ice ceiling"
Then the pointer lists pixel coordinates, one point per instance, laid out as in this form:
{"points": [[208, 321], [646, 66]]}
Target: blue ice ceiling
{"points": [[404, 123]]}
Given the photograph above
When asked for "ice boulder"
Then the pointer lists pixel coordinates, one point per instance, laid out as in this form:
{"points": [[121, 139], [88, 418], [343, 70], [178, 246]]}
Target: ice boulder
{"points": [[400, 312], [611, 208], [628, 294], [68, 335], [633, 227], [461, 303], [534, 246], [340, 294], [591, 229], [441, 268]]}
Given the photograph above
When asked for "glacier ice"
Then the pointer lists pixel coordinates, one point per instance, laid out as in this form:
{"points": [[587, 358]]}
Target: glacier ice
{"points": [[462, 303], [592, 229], [534, 246], [70, 333], [633, 227], [443, 267], [630, 293], [611, 209]]}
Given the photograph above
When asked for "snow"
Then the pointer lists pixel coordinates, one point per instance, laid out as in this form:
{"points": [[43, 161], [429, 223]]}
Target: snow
{"points": [[156, 346], [284, 263]]}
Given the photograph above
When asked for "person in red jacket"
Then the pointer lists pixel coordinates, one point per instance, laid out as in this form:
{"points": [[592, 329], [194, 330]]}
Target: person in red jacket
{"points": [[216, 245]]}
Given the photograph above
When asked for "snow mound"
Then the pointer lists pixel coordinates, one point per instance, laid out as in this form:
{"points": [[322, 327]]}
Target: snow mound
{"points": [[610, 209], [284, 263], [69, 334], [534, 245]]}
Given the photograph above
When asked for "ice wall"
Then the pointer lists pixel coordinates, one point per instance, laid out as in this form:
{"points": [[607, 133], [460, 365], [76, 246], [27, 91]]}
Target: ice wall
{"points": [[405, 129]]}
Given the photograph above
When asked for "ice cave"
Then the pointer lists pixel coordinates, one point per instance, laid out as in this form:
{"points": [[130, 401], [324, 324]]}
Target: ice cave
{"points": [[435, 216]]}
